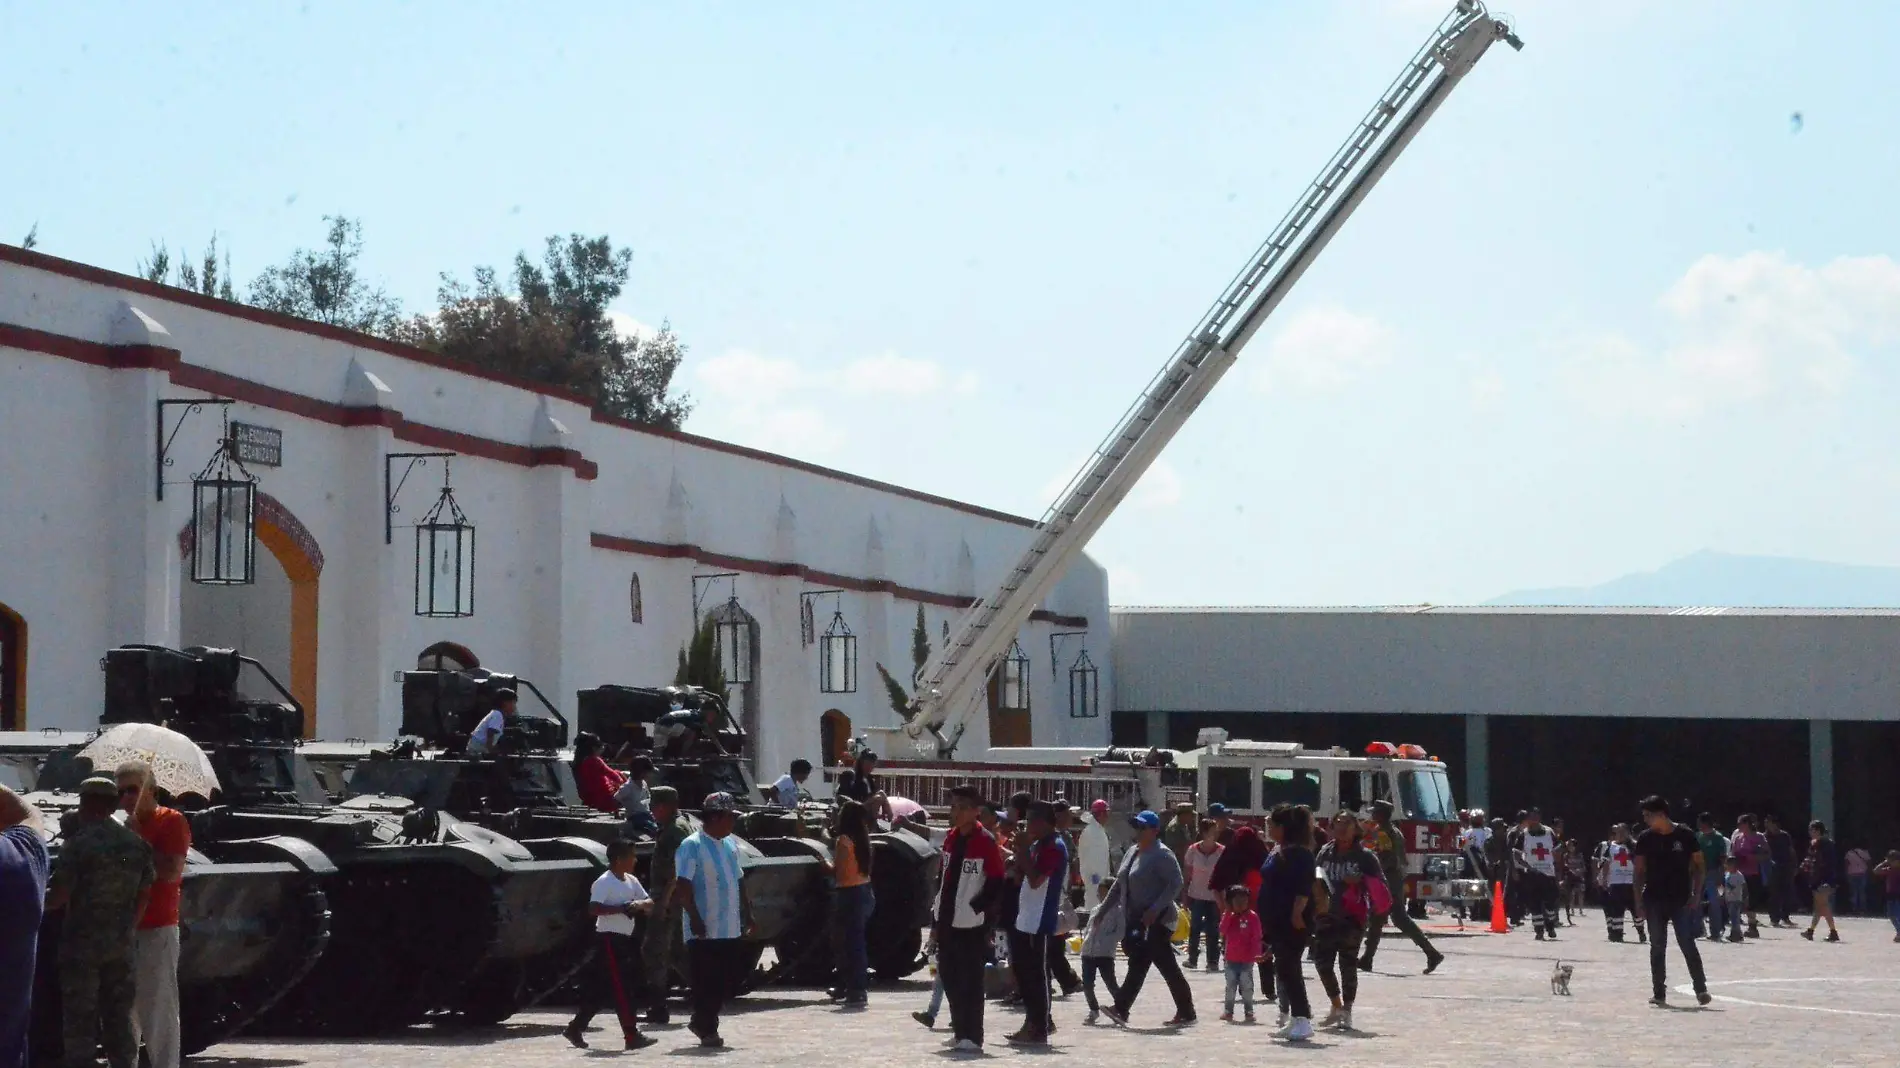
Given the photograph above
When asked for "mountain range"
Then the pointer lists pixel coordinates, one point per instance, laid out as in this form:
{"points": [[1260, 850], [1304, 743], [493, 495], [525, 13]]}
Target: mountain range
{"points": [[1729, 580]]}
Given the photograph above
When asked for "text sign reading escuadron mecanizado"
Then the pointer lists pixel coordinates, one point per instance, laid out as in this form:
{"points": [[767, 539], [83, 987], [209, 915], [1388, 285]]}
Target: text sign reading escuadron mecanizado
{"points": [[260, 445]]}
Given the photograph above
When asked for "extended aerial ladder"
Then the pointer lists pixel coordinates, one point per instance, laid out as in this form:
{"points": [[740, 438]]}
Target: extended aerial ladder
{"points": [[951, 681]]}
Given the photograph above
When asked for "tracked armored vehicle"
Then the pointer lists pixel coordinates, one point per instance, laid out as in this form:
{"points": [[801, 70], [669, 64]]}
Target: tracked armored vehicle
{"points": [[429, 914], [249, 929]]}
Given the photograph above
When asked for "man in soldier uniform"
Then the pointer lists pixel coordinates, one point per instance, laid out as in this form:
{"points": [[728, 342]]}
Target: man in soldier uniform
{"points": [[662, 939], [103, 881], [1389, 843]]}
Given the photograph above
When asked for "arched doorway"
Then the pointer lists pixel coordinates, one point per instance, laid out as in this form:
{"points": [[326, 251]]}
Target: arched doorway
{"points": [[12, 670], [834, 737], [447, 656], [274, 619]]}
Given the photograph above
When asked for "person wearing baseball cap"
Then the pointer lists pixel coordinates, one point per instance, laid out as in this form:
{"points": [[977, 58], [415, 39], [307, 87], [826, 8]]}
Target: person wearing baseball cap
{"points": [[708, 886], [661, 943], [1095, 854], [103, 881], [1149, 886]]}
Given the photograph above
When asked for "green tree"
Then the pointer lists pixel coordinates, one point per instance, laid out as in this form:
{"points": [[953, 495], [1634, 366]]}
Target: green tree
{"points": [[919, 656], [32, 237], [207, 278], [327, 286], [699, 662], [553, 326]]}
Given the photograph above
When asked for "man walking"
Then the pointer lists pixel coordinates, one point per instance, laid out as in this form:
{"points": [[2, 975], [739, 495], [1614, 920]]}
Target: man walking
{"points": [[1747, 846], [1714, 845], [1095, 853], [1389, 844], [663, 934], [1149, 885], [615, 899], [1616, 874], [1537, 860], [155, 1002], [1668, 882], [1042, 869], [972, 881], [709, 886], [1781, 869], [103, 881], [23, 867]]}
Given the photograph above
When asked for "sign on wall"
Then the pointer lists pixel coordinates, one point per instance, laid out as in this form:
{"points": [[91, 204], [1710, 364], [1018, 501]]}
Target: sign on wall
{"points": [[260, 445]]}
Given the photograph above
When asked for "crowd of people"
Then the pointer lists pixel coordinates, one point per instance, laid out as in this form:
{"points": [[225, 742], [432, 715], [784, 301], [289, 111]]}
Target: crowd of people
{"points": [[1755, 868], [117, 882]]}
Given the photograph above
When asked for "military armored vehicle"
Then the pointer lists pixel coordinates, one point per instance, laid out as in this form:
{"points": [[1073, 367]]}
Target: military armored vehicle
{"points": [[429, 914], [249, 929]]}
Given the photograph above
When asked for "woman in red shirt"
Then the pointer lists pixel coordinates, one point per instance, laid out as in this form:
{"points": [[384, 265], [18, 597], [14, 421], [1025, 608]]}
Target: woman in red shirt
{"points": [[596, 780]]}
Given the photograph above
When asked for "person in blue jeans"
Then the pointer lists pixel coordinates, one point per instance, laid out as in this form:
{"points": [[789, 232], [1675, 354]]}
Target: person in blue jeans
{"points": [[1669, 878], [1714, 846], [1889, 870], [1203, 903]]}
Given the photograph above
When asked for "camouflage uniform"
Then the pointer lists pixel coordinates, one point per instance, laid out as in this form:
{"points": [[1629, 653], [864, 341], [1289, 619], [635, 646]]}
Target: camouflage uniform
{"points": [[107, 868], [662, 940]]}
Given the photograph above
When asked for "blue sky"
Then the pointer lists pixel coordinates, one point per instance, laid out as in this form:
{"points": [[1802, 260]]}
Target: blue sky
{"points": [[1613, 306]]}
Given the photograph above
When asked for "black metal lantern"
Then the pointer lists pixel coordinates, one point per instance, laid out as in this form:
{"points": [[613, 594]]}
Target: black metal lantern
{"points": [[1013, 693], [838, 658], [733, 635], [1085, 688], [445, 559], [224, 521]]}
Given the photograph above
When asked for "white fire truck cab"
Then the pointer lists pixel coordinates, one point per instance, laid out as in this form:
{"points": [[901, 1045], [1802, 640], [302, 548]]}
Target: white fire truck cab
{"points": [[1251, 778]]}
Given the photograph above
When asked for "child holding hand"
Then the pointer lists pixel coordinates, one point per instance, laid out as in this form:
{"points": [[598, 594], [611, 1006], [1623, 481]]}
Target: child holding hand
{"points": [[1240, 937]]}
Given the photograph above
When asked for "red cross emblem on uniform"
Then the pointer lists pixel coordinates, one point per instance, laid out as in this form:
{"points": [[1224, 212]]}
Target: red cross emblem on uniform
{"points": [[1622, 858], [1540, 852]]}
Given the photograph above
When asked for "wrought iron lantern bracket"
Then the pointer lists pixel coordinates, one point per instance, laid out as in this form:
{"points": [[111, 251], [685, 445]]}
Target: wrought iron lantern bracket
{"points": [[808, 615], [1056, 639], [162, 442], [393, 485]]}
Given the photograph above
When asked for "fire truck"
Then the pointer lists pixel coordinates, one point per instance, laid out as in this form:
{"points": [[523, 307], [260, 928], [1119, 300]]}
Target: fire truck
{"points": [[1250, 778]]}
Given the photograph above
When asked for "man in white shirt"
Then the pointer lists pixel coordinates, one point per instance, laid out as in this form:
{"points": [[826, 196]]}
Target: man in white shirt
{"points": [[487, 734], [1096, 859], [616, 898], [786, 788]]}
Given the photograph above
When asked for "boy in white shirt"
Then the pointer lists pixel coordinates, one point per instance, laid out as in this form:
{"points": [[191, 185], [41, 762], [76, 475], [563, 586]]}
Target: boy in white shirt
{"points": [[616, 898]]}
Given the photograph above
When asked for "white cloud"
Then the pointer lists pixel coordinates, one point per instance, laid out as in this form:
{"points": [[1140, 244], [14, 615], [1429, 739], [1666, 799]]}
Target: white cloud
{"points": [[628, 327], [1741, 328], [780, 404], [1325, 348]]}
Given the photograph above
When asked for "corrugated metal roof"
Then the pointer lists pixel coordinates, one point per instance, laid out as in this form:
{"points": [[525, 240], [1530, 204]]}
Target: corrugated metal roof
{"points": [[1500, 609]]}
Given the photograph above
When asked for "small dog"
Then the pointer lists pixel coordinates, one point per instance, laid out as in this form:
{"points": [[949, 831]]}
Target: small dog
{"points": [[1560, 979]]}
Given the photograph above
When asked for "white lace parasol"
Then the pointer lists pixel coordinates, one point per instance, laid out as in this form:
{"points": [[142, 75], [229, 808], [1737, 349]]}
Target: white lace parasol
{"points": [[178, 765]]}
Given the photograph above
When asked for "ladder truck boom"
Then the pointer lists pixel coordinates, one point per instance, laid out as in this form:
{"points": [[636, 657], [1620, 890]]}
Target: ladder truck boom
{"points": [[952, 679]]}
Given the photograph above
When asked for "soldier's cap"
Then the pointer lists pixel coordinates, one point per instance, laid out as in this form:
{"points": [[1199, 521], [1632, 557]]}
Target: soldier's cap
{"points": [[717, 803], [663, 795], [99, 786]]}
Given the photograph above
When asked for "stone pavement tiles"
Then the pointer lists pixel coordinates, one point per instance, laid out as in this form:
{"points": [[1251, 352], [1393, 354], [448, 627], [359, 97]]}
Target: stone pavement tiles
{"points": [[1780, 1001]]}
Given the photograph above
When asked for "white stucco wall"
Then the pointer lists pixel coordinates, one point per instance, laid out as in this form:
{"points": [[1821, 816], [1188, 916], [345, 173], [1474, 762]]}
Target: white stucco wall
{"points": [[91, 560]]}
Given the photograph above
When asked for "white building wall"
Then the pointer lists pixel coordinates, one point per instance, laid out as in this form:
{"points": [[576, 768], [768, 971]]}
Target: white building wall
{"points": [[91, 560]]}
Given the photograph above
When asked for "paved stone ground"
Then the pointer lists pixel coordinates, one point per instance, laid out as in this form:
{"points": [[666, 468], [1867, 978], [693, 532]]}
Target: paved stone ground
{"points": [[1780, 1001]]}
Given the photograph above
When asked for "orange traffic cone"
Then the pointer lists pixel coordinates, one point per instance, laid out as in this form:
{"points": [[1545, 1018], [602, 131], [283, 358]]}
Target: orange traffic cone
{"points": [[1499, 925]]}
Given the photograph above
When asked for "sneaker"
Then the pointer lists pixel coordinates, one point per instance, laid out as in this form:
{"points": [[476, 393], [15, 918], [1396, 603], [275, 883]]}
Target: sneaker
{"points": [[857, 1001], [1754, 931], [1540, 936], [967, 1045], [1301, 1030], [1832, 936], [1227, 1017], [1365, 963], [658, 1018], [1213, 966], [1896, 938], [1116, 1016], [1432, 962], [1703, 997], [1345, 1020], [1181, 1021], [1090, 1018], [1659, 1001], [1332, 1018], [1286, 1019], [641, 1042], [574, 1037], [1808, 934], [929, 1021], [709, 1039], [1736, 936]]}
